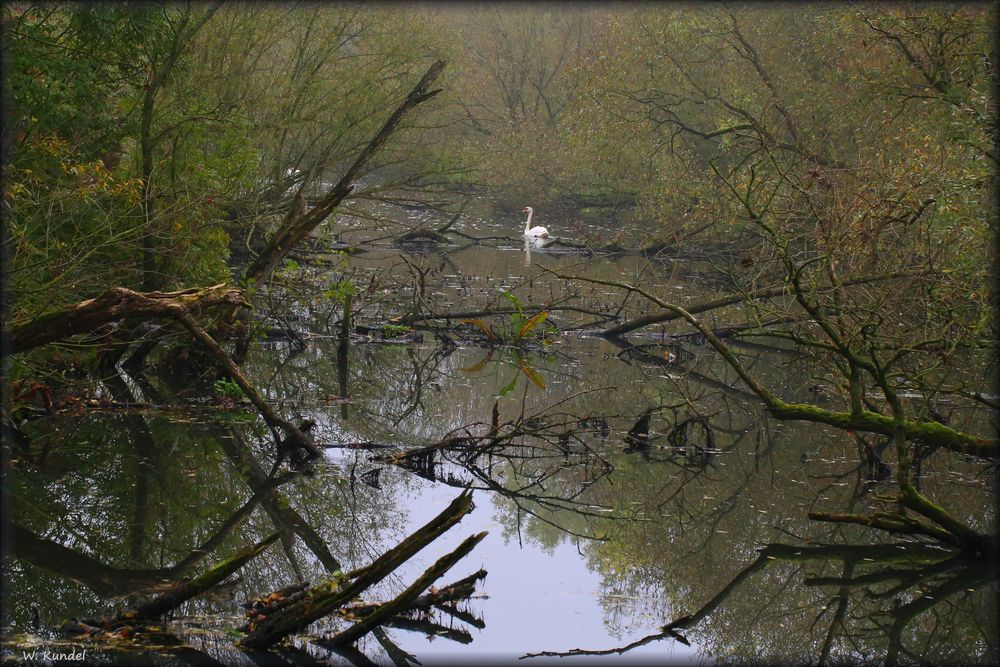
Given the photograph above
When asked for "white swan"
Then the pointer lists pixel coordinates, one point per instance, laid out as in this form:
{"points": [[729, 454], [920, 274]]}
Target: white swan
{"points": [[533, 232]]}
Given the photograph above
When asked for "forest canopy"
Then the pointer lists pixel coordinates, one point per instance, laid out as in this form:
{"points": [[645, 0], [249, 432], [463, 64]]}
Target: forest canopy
{"points": [[144, 141]]}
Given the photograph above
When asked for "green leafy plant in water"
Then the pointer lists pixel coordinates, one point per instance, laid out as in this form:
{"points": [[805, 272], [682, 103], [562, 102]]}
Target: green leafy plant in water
{"points": [[393, 330], [517, 328]]}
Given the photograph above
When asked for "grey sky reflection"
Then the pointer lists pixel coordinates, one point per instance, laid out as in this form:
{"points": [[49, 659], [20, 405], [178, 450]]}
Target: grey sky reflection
{"points": [[537, 600]]}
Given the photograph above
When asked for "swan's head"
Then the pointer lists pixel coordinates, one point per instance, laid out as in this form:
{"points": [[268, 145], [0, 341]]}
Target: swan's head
{"points": [[527, 209]]}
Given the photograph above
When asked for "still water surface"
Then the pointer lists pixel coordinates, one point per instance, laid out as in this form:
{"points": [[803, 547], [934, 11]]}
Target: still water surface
{"points": [[593, 543]]}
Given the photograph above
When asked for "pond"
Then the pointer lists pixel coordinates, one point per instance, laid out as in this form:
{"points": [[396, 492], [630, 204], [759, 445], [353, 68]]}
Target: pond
{"points": [[635, 484]]}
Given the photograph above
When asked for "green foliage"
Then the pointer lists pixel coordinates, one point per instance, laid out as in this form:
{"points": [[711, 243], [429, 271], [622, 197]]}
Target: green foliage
{"points": [[394, 330], [226, 388], [341, 291], [517, 328], [72, 188]]}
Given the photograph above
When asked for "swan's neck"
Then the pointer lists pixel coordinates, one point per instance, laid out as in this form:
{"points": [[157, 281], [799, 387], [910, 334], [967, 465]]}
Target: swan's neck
{"points": [[527, 223]]}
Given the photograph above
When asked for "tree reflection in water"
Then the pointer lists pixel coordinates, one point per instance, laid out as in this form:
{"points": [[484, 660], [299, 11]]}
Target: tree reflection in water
{"points": [[665, 478], [869, 614]]}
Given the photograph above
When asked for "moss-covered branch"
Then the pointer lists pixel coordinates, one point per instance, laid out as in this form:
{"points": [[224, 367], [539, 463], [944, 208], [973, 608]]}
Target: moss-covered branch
{"points": [[184, 591], [893, 523], [928, 432]]}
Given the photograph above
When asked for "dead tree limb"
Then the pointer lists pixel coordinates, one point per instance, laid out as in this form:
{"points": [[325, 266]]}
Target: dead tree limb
{"points": [[302, 223], [891, 523], [283, 515], [295, 436], [463, 616], [668, 315], [399, 657], [122, 303], [413, 318], [238, 517], [408, 596], [333, 593], [929, 432], [182, 592], [428, 629], [105, 580], [461, 209], [459, 590], [438, 235]]}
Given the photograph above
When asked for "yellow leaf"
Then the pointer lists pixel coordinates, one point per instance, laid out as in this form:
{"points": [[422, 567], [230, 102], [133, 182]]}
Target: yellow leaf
{"points": [[530, 374], [532, 323], [482, 325]]}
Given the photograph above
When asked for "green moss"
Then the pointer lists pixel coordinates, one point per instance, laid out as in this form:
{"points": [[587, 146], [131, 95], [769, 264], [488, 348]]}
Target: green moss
{"points": [[931, 433]]}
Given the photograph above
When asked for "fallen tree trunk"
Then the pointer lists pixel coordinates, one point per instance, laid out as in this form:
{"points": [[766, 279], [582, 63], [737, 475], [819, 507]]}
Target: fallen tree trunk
{"points": [[408, 596], [238, 517], [328, 596], [105, 580], [184, 591], [122, 303], [438, 235], [117, 304]]}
